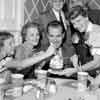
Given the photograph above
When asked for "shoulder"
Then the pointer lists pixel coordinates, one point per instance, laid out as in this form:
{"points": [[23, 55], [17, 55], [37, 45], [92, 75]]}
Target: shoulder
{"points": [[96, 28]]}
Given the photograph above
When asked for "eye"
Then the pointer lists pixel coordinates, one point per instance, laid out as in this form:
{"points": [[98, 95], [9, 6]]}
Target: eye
{"points": [[59, 35], [51, 36]]}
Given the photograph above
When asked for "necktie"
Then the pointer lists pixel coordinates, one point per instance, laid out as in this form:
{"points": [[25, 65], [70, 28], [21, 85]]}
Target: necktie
{"points": [[61, 21]]}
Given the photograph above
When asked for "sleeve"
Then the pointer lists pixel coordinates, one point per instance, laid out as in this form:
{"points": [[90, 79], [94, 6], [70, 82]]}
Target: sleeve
{"points": [[19, 53]]}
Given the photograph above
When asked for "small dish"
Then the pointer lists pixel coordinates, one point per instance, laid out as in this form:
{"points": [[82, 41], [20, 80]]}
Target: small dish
{"points": [[26, 88]]}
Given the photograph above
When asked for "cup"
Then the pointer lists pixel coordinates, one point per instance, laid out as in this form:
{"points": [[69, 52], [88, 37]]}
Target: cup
{"points": [[17, 79], [41, 77], [2, 81], [51, 86], [82, 81]]}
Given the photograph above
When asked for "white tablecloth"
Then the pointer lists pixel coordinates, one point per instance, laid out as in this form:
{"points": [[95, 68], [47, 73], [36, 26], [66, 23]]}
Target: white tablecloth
{"points": [[65, 89]]}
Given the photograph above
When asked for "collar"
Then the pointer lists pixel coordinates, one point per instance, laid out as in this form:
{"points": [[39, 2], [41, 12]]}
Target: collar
{"points": [[89, 27], [59, 52]]}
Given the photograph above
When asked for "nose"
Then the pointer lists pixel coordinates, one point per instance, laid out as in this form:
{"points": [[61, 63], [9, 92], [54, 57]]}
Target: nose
{"points": [[55, 40]]}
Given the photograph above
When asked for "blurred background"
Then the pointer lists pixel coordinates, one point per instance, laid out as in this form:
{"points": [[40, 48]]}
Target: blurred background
{"points": [[14, 13]]}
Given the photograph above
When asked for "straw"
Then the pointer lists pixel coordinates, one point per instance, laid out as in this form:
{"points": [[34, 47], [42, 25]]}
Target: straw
{"points": [[80, 67]]}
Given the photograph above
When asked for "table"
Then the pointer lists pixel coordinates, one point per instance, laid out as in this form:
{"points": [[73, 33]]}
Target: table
{"points": [[66, 91]]}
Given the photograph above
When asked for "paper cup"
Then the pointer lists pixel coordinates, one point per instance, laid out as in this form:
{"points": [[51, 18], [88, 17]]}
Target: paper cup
{"points": [[17, 78], [82, 80]]}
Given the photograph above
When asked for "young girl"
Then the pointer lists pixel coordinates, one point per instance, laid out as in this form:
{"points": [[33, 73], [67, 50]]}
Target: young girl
{"points": [[28, 53]]}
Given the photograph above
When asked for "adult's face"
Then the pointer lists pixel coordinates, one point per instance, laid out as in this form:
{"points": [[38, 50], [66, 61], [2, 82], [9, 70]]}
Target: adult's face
{"points": [[55, 36], [57, 4], [9, 46], [80, 23], [33, 35]]}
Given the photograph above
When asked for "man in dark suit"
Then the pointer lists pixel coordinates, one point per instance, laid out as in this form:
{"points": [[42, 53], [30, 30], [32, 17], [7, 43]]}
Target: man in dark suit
{"points": [[64, 59], [55, 13]]}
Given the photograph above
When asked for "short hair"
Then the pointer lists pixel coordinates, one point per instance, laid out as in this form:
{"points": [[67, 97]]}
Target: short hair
{"points": [[26, 27], [55, 24], [4, 35], [76, 11]]}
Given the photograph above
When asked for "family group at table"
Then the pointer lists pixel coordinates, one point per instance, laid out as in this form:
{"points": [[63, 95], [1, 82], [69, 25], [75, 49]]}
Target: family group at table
{"points": [[54, 43]]}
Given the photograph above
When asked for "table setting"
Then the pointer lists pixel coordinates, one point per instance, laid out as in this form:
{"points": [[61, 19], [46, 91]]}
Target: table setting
{"points": [[48, 88]]}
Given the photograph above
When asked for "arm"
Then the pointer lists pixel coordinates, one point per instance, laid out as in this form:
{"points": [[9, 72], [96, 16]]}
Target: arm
{"points": [[90, 65], [95, 63], [20, 64]]}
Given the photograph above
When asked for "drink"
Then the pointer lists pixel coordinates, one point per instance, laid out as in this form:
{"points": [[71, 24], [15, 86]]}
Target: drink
{"points": [[2, 82], [41, 77], [17, 81], [52, 87], [82, 81]]}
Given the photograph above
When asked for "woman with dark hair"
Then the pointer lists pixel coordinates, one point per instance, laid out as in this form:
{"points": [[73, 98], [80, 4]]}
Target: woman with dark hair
{"points": [[29, 53], [31, 37]]}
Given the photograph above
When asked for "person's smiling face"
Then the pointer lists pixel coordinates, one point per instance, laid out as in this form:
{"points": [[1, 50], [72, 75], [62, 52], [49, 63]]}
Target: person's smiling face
{"points": [[80, 23], [33, 35], [55, 36]]}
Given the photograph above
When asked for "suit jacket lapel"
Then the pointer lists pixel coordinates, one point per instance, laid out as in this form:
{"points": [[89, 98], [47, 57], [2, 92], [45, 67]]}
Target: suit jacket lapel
{"points": [[52, 15], [64, 20]]}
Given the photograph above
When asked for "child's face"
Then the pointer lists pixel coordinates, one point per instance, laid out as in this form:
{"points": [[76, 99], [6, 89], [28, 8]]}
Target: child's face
{"points": [[33, 35], [9, 46]]}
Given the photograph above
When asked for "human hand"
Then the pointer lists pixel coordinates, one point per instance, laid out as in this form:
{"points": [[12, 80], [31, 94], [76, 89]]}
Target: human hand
{"points": [[51, 50], [74, 60]]}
